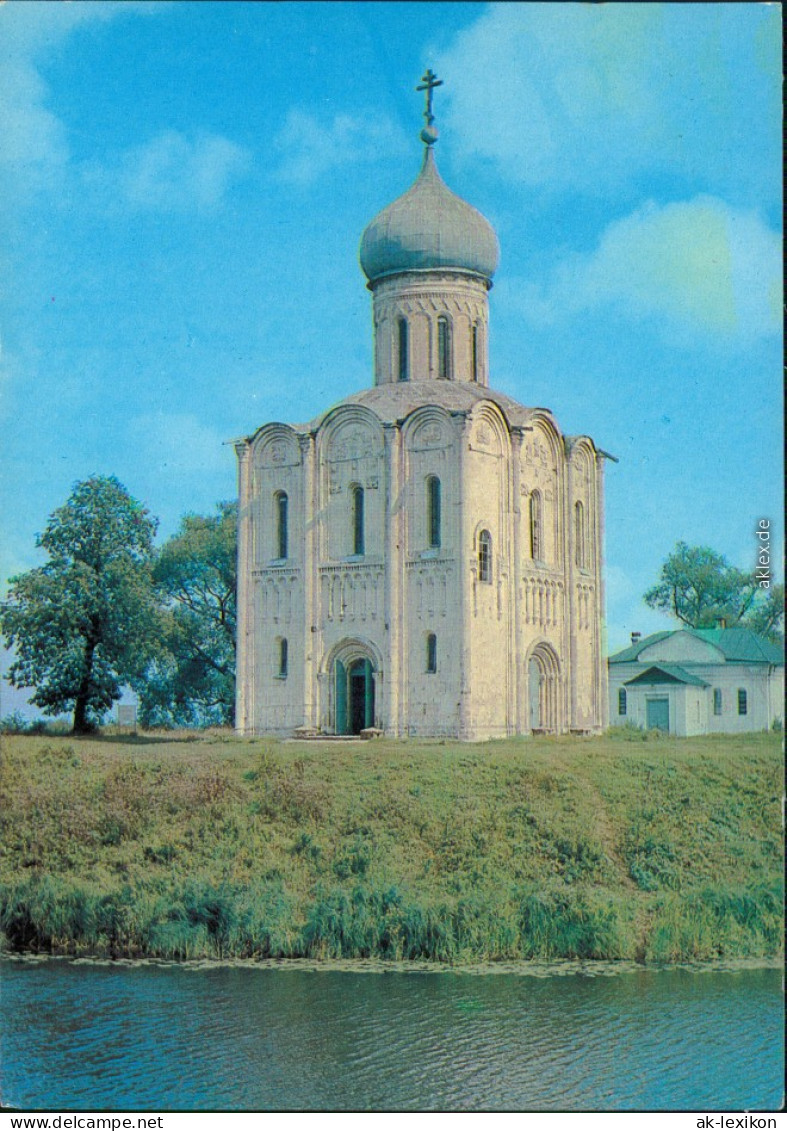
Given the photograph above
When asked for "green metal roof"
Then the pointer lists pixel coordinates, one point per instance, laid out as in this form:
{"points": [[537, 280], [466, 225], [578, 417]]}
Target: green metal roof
{"points": [[628, 655], [666, 673], [737, 645], [742, 645]]}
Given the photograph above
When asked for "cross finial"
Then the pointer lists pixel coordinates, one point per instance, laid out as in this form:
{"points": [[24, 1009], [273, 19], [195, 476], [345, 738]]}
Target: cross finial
{"points": [[428, 83]]}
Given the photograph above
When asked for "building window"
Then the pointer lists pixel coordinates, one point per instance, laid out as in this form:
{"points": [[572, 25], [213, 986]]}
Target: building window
{"points": [[579, 535], [282, 672], [433, 511], [474, 352], [743, 704], [444, 348], [403, 349], [431, 653], [484, 556], [281, 524], [622, 701], [357, 518], [536, 546], [717, 700]]}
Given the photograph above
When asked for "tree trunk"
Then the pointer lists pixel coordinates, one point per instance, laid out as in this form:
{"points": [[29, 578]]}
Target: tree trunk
{"points": [[81, 724]]}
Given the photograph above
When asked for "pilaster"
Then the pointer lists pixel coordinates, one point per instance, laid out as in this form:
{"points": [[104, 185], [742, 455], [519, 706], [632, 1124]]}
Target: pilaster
{"points": [[244, 649], [463, 424], [395, 692]]}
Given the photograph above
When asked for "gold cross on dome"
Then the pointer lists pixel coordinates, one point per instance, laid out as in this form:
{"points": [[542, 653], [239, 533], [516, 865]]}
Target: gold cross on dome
{"points": [[429, 82]]}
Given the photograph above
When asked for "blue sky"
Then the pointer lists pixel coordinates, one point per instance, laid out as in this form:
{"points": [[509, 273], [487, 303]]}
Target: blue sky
{"points": [[187, 183]]}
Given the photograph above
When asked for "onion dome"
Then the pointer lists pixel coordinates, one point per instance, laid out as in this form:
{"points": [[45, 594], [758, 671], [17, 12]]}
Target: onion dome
{"points": [[429, 227]]}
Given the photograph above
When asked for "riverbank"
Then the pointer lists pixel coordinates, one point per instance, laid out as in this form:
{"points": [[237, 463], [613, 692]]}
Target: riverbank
{"points": [[211, 847]]}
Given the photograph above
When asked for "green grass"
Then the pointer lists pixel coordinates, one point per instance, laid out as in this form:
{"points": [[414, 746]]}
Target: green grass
{"points": [[205, 845]]}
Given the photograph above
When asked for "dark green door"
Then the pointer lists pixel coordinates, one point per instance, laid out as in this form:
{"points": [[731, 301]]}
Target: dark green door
{"points": [[658, 714], [361, 697], [341, 698], [354, 697]]}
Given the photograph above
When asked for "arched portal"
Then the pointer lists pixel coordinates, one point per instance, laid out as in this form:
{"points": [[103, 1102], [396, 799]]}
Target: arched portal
{"points": [[354, 672], [544, 690]]}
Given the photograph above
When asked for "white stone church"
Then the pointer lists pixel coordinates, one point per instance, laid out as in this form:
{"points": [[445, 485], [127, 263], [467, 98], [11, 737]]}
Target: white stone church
{"points": [[426, 557]]}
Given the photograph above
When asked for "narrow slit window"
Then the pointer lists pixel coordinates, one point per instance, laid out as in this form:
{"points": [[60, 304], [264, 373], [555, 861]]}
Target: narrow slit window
{"points": [[281, 525], [358, 520], [282, 673], [536, 546], [403, 349], [622, 704], [444, 348], [433, 511], [743, 701], [484, 556], [579, 535], [474, 352], [431, 653]]}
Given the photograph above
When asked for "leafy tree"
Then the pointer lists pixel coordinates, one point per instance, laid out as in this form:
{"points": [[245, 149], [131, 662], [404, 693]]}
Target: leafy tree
{"points": [[767, 617], [699, 587], [87, 621], [192, 681]]}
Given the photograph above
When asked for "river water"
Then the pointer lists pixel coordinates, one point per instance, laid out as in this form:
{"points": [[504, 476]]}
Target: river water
{"points": [[80, 1036]]}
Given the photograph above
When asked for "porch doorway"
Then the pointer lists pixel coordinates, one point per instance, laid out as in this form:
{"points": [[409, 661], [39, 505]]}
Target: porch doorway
{"points": [[354, 696], [544, 691]]}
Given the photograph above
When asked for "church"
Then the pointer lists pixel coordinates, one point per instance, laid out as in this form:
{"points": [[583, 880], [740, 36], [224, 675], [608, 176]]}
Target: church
{"points": [[425, 558]]}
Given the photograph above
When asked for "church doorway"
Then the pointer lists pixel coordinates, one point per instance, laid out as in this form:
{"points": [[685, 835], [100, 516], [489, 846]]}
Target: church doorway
{"points": [[354, 696], [543, 691]]}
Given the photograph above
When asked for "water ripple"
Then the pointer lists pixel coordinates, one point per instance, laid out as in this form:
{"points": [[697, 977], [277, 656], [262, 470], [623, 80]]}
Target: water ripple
{"points": [[224, 1038]]}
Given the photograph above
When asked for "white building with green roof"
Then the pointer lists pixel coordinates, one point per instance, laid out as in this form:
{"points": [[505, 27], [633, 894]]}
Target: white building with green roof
{"points": [[698, 681]]}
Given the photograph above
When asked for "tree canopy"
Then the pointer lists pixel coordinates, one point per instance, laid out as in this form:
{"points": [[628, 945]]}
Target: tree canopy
{"points": [[192, 680], [87, 621], [699, 587]]}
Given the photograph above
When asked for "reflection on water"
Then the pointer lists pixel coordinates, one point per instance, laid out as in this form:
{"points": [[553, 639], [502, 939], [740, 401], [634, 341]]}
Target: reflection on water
{"points": [[179, 1038]]}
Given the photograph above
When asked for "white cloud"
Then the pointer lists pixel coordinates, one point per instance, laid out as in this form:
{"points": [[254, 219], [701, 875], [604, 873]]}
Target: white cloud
{"points": [[692, 266], [168, 172], [172, 172], [589, 96], [34, 141], [309, 148], [178, 444]]}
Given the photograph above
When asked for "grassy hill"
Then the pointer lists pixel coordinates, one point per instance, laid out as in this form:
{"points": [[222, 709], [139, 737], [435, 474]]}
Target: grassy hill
{"points": [[207, 845]]}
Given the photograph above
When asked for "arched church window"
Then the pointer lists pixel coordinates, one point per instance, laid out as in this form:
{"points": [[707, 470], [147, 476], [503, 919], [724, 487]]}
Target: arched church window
{"points": [[433, 511], [474, 335], [431, 653], [357, 519], [282, 672], [484, 556], [579, 534], [444, 348], [403, 349], [281, 524], [536, 536]]}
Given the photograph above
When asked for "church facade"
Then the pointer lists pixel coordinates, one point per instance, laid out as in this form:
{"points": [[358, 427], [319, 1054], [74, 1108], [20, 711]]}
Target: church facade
{"points": [[426, 557]]}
